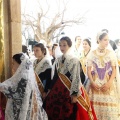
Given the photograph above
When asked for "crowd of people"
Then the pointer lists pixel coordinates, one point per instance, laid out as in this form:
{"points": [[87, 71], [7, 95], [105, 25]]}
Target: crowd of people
{"points": [[65, 82]]}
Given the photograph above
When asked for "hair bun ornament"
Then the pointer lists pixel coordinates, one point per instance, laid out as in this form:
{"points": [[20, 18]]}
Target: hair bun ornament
{"points": [[99, 34], [89, 39]]}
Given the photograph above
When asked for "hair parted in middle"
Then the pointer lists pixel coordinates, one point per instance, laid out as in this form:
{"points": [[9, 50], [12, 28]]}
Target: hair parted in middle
{"points": [[67, 39]]}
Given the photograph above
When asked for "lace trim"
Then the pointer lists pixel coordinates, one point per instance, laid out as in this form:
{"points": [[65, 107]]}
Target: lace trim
{"points": [[14, 88], [72, 65], [42, 65]]}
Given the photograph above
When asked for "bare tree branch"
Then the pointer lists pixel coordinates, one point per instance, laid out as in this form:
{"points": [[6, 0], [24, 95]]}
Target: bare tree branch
{"points": [[46, 31]]}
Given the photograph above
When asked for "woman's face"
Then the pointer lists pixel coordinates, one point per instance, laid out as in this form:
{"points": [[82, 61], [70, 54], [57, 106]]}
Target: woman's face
{"points": [[37, 52], [53, 51], [63, 46], [15, 66], [78, 41], [104, 42], [86, 45]]}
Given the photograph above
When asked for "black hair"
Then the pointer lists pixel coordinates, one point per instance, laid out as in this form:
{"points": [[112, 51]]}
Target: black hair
{"points": [[88, 41], [55, 44], [24, 48], [17, 57], [42, 47], [67, 39], [102, 35], [105, 30], [76, 37]]}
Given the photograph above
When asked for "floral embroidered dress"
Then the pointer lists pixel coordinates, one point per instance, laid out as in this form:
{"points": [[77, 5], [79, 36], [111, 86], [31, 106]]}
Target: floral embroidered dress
{"points": [[105, 103]]}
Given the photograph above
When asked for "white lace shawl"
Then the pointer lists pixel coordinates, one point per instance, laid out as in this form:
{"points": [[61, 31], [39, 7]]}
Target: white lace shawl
{"points": [[71, 65], [24, 100], [44, 64]]}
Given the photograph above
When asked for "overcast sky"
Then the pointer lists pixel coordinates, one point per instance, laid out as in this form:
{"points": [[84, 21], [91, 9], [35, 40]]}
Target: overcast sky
{"points": [[100, 14]]}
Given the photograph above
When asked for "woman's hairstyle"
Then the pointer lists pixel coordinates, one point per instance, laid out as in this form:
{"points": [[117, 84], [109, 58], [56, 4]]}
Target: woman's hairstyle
{"points": [[88, 41], [54, 45], [76, 38], [17, 57], [42, 47], [67, 39], [105, 30], [101, 35], [24, 49]]}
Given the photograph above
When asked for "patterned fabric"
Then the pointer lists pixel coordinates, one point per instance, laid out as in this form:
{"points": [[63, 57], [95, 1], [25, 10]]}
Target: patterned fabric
{"points": [[83, 102], [24, 100], [72, 65], [58, 103], [105, 103], [43, 70], [44, 64]]}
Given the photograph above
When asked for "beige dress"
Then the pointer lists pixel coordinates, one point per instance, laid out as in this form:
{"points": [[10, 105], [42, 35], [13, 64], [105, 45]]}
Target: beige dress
{"points": [[105, 103]]}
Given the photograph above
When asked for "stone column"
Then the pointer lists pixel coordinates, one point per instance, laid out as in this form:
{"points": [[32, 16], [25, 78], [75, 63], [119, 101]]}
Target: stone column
{"points": [[12, 32]]}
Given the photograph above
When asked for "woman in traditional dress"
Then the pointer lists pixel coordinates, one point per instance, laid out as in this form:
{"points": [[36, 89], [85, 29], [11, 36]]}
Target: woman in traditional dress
{"points": [[42, 66], [83, 57], [103, 75], [67, 99], [24, 100]]}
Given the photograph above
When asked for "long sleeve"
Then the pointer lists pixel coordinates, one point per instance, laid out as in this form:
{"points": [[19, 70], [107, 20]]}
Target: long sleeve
{"points": [[74, 69], [46, 75], [13, 91]]}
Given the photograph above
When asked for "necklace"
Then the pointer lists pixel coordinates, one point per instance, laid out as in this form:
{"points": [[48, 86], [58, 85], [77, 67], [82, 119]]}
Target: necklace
{"points": [[101, 56], [86, 53], [101, 50]]}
